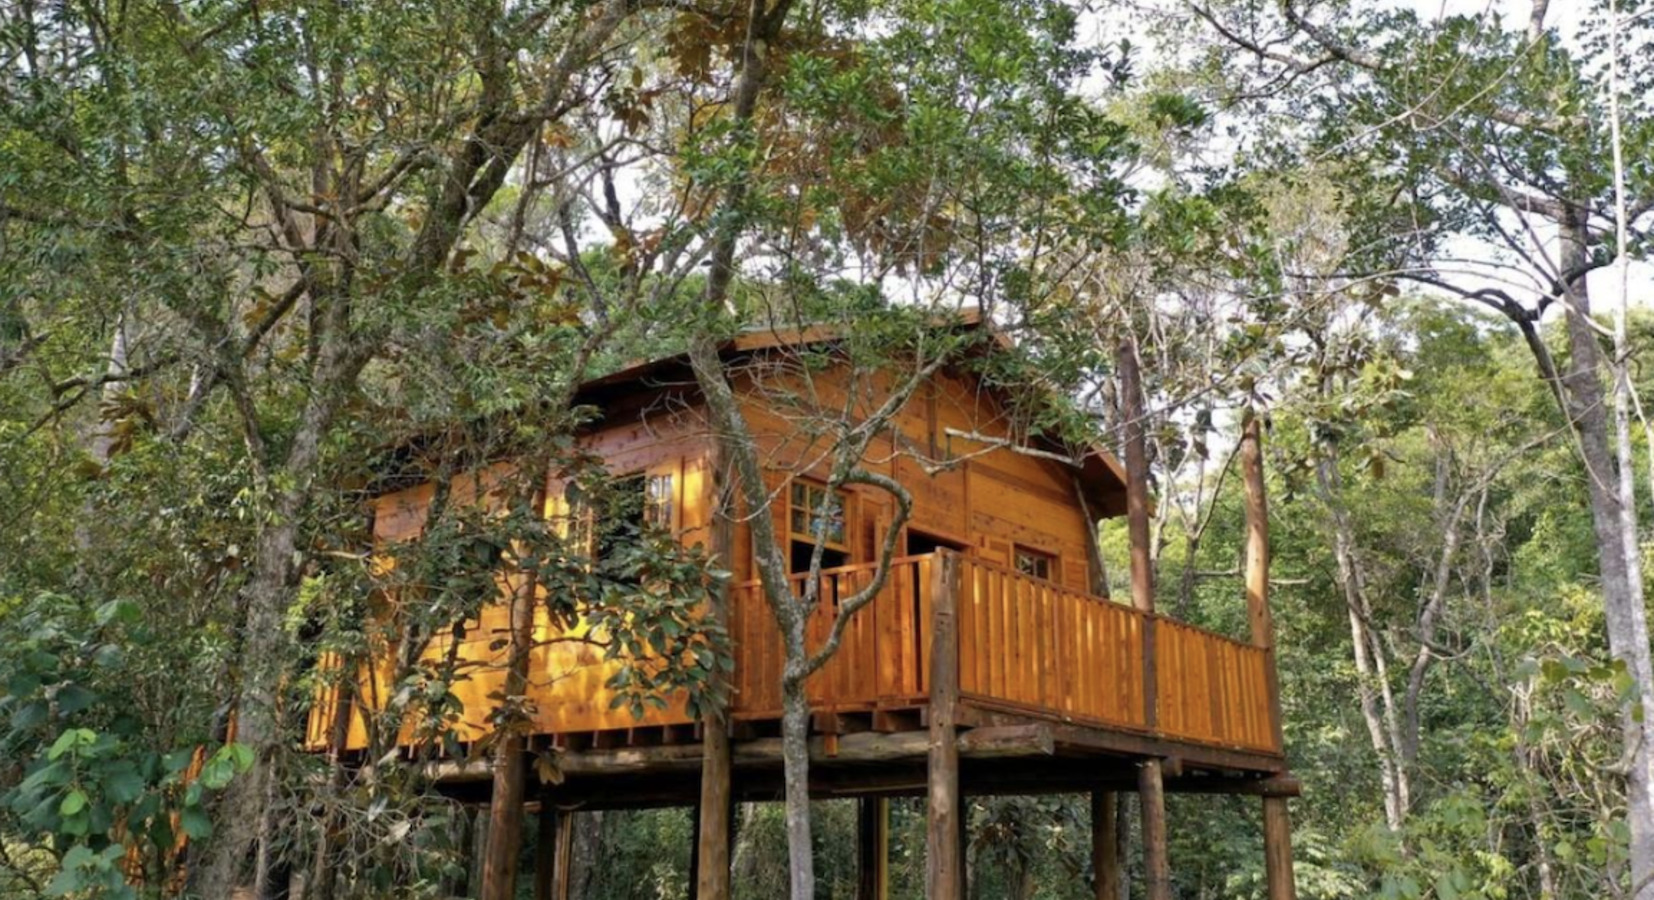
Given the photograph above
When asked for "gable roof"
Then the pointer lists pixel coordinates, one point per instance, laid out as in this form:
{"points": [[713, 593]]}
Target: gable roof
{"points": [[1101, 475]]}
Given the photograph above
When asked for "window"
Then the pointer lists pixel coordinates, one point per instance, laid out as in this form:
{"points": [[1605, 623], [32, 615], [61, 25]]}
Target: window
{"points": [[807, 518], [619, 512], [811, 509], [1036, 563], [659, 499]]}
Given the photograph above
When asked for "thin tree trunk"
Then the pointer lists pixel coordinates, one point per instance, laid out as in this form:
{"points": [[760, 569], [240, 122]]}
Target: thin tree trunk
{"points": [[1350, 581], [1614, 520]]}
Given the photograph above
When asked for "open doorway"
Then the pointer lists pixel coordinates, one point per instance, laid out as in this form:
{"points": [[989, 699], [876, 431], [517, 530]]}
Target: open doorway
{"points": [[922, 542], [919, 543]]}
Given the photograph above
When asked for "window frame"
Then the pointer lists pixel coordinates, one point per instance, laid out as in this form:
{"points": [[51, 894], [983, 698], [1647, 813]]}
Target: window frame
{"points": [[1052, 561], [812, 489]]}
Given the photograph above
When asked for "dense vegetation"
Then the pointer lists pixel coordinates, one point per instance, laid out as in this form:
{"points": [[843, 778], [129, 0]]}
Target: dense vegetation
{"points": [[259, 260]]}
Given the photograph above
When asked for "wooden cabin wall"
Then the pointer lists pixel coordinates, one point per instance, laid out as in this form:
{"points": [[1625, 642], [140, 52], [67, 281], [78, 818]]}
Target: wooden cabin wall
{"points": [[567, 680], [991, 501]]}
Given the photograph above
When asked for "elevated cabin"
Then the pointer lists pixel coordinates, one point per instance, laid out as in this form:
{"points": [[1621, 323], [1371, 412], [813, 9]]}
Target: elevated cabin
{"points": [[995, 625]]}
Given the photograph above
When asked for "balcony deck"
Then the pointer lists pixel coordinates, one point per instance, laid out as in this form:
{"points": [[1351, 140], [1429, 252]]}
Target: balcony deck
{"points": [[1025, 647], [1083, 684]]}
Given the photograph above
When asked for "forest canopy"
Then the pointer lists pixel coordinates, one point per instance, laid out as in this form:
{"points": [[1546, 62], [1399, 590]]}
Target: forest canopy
{"points": [[261, 261]]}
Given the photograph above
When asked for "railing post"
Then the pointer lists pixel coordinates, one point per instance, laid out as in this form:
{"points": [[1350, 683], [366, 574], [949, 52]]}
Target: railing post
{"points": [[1150, 785], [1137, 521], [944, 863], [1277, 823], [1257, 563]]}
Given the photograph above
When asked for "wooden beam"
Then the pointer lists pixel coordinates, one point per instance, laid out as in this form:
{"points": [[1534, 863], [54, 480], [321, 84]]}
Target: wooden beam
{"points": [[944, 867], [873, 848], [997, 741], [1277, 849], [1105, 861], [1151, 794]]}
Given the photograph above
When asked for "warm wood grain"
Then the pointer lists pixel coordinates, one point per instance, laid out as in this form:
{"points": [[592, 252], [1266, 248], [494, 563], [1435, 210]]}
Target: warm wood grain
{"points": [[1049, 649]]}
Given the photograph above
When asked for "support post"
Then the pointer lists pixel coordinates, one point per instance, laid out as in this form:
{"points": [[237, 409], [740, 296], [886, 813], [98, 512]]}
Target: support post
{"points": [[872, 848], [545, 852], [563, 858], [715, 817], [1277, 849], [1257, 562], [944, 864], [1137, 521], [1277, 824], [1105, 863], [1151, 791], [694, 847]]}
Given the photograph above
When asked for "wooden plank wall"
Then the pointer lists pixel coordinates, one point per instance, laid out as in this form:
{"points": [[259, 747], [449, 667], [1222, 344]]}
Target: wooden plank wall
{"points": [[567, 679], [988, 499]]}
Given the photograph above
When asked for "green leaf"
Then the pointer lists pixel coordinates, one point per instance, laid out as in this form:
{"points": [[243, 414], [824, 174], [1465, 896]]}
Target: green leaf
{"points": [[122, 610], [73, 802], [195, 822], [216, 774], [123, 786]]}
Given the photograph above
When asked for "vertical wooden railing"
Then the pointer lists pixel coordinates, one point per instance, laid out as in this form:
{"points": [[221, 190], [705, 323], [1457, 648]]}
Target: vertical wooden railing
{"points": [[1035, 647], [882, 659], [1023, 645]]}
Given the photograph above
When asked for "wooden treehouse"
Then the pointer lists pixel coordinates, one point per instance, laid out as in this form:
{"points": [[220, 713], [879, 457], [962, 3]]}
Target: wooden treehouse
{"points": [[992, 662]]}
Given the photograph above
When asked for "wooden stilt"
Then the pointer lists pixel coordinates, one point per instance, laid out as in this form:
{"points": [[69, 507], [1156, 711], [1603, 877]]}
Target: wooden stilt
{"points": [[1105, 864], [1277, 824], [944, 865], [1151, 789], [713, 816], [1277, 849], [872, 848], [562, 857], [545, 853], [479, 853], [1151, 794], [1122, 843], [715, 821]]}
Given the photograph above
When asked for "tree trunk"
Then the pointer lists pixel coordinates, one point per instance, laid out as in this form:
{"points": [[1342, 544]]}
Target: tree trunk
{"points": [[241, 808], [1614, 520], [795, 757], [1350, 581]]}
